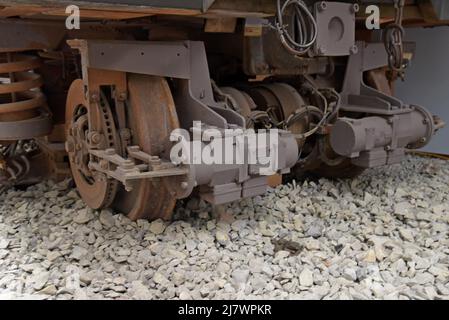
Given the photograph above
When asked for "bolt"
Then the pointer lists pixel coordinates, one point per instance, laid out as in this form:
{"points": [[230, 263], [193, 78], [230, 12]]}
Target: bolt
{"points": [[79, 146], [128, 164], [155, 159], [388, 148], [354, 49], [322, 6], [355, 8], [104, 164], [95, 137], [423, 140]]}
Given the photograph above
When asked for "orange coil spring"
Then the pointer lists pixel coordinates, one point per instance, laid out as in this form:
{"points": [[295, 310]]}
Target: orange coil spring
{"points": [[20, 94]]}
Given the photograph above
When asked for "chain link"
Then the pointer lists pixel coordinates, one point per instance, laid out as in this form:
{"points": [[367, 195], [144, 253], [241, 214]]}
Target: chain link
{"points": [[393, 39]]}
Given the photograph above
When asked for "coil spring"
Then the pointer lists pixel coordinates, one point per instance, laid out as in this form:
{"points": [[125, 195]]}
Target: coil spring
{"points": [[23, 110]]}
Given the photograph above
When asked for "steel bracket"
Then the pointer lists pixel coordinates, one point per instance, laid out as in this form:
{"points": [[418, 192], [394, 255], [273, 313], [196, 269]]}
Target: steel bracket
{"points": [[183, 61], [138, 166]]}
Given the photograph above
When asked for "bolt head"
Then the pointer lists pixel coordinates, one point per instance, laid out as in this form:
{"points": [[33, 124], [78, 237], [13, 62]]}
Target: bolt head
{"points": [[104, 164], [322, 6], [354, 49], [95, 138]]}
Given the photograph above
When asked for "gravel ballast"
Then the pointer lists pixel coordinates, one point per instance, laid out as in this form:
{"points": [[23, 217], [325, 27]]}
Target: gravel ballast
{"points": [[383, 235]]}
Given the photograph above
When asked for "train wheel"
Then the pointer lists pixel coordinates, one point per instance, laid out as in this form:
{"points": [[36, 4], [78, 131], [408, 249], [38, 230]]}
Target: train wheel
{"points": [[151, 117]]}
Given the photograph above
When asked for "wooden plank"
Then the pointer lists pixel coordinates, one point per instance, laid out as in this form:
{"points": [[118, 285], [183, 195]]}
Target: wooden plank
{"points": [[218, 8], [35, 7], [19, 11], [98, 14], [221, 25], [190, 5], [244, 8]]}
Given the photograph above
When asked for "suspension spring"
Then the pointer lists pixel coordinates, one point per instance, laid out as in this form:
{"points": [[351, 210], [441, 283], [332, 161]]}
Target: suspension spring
{"points": [[23, 110]]}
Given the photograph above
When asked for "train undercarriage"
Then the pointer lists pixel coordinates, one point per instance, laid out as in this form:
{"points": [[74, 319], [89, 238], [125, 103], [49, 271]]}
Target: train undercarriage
{"points": [[107, 103]]}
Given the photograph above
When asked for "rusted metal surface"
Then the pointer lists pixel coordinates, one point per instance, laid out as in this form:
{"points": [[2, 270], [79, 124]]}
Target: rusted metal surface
{"points": [[47, 7], [95, 189], [23, 110], [152, 119], [22, 35], [377, 79]]}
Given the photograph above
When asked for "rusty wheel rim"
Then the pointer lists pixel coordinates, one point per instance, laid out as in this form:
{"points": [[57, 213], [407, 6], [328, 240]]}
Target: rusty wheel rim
{"points": [[152, 118]]}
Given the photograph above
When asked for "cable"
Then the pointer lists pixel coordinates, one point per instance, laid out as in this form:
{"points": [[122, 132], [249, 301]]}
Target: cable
{"points": [[305, 27]]}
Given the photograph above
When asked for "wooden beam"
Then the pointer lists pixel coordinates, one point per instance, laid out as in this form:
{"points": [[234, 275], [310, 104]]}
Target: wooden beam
{"points": [[36, 6], [221, 25], [98, 14]]}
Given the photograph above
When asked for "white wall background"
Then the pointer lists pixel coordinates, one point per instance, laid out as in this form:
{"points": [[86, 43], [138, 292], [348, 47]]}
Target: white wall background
{"points": [[427, 79]]}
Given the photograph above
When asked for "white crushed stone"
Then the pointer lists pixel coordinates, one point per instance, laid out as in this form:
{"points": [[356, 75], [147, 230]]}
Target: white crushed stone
{"points": [[383, 235]]}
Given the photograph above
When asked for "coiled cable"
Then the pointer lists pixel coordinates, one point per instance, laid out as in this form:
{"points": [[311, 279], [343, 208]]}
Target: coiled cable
{"points": [[305, 27]]}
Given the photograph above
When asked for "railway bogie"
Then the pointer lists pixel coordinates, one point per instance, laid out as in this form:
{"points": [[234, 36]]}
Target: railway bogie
{"points": [[153, 103]]}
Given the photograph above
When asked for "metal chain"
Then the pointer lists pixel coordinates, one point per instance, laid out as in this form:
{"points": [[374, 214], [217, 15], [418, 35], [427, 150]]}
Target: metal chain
{"points": [[393, 39]]}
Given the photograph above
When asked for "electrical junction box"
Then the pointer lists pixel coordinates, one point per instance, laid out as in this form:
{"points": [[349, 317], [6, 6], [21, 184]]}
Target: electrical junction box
{"points": [[336, 28]]}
